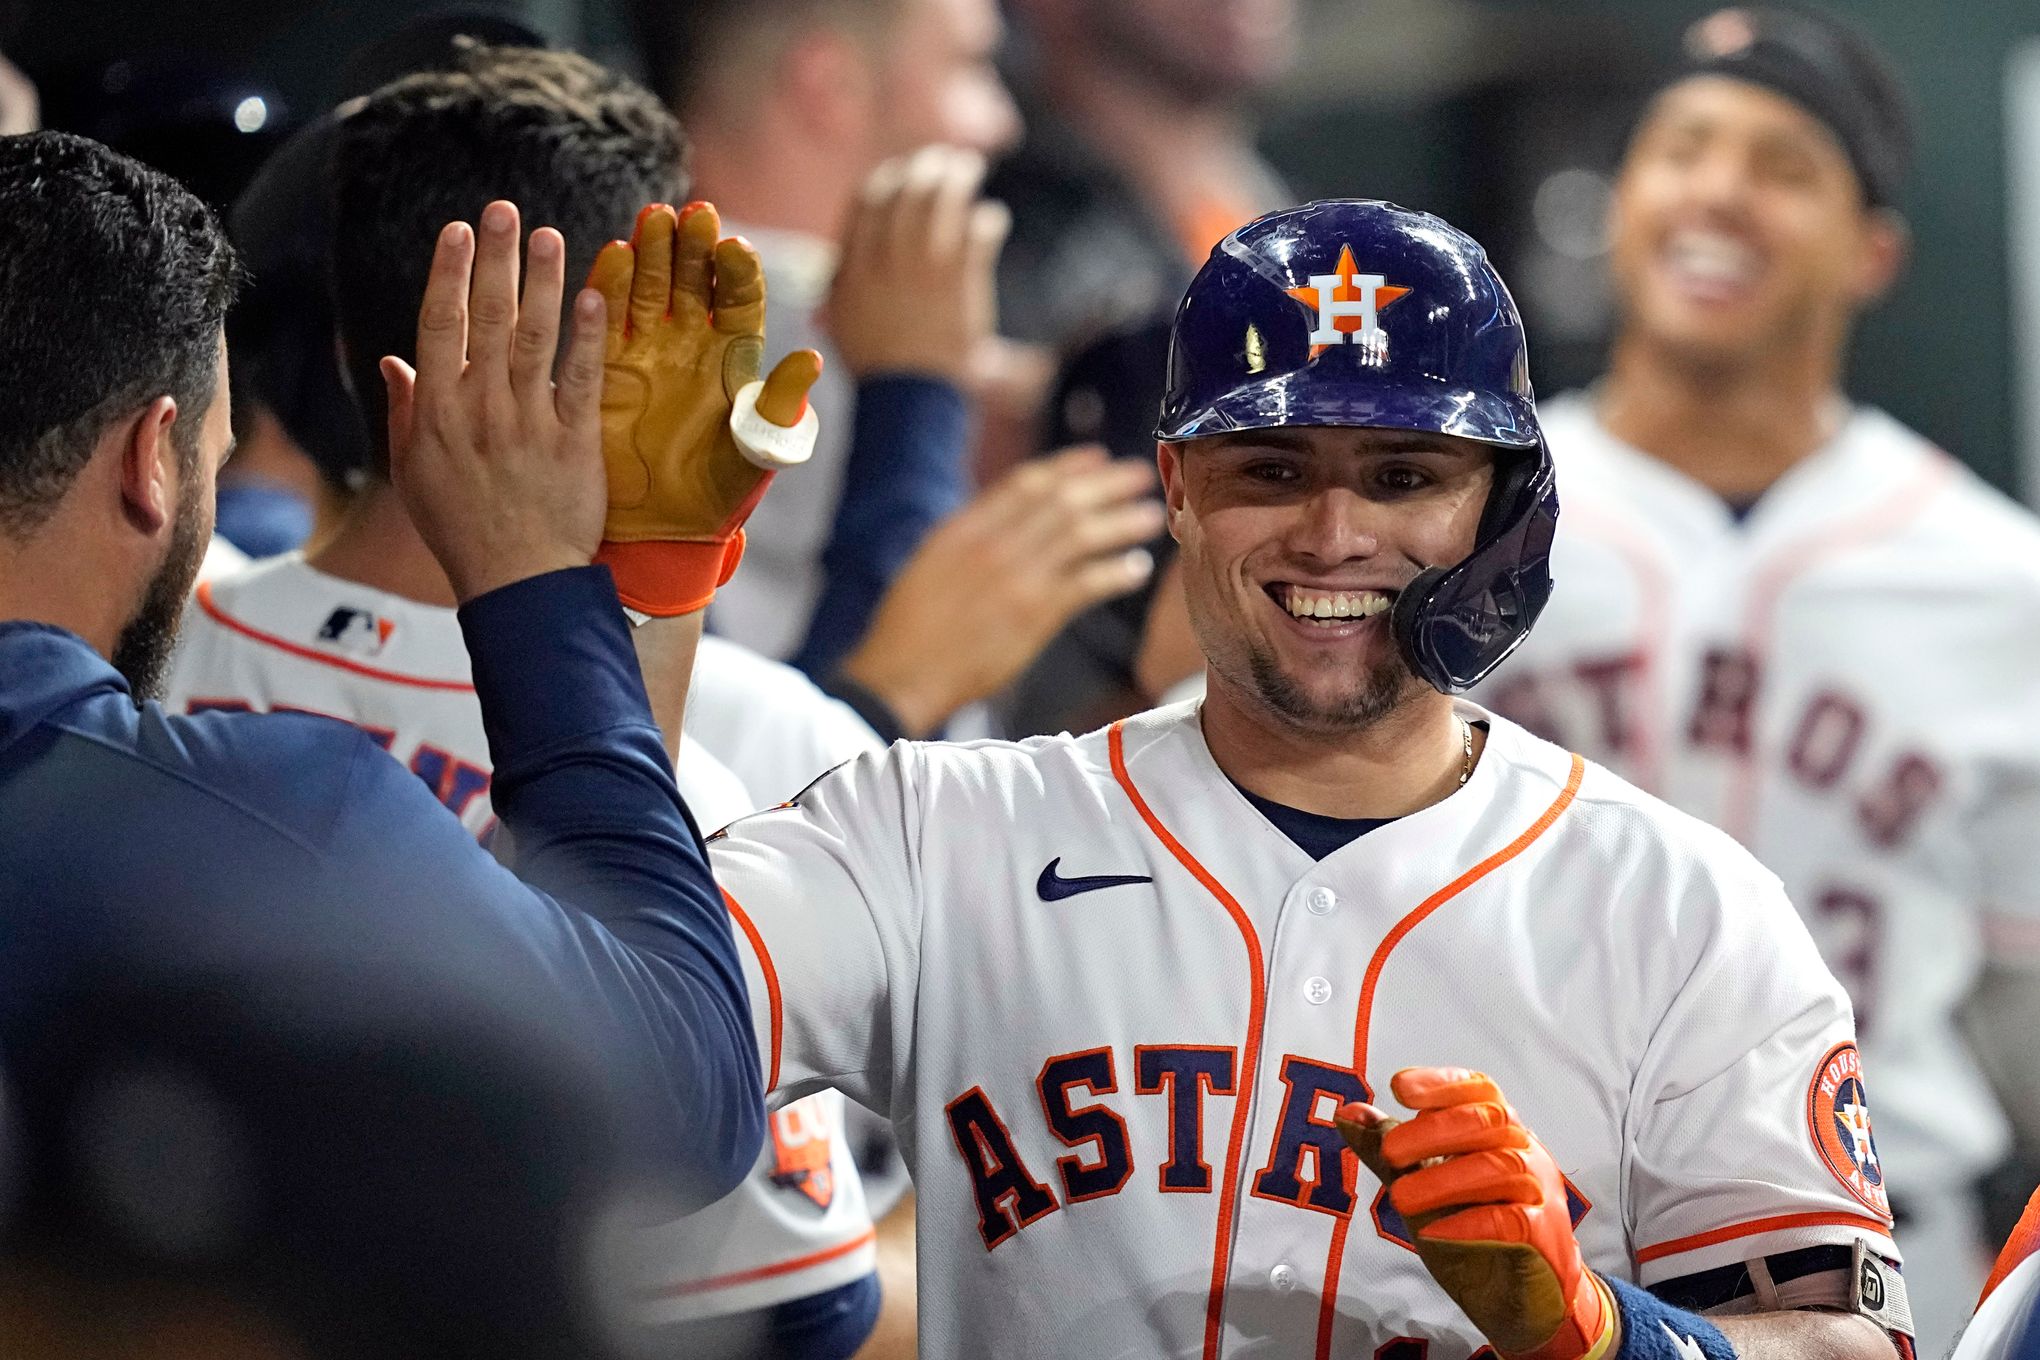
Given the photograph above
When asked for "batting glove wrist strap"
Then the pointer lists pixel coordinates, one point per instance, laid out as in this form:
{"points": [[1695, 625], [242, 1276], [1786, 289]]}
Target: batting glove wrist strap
{"points": [[667, 579], [1652, 1329]]}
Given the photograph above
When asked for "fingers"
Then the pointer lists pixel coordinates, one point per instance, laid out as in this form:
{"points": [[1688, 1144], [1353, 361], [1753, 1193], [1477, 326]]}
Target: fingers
{"points": [[442, 315], [990, 223], [739, 298], [1107, 578], [1363, 1127], [1480, 1127], [1482, 1223], [610, 277], [538, 316], [492, 300], [651, 287], [1433, 1088], [939, 217], [694, 261], [400, 384], [1504, 1176], [783, 399], [577, 396]]}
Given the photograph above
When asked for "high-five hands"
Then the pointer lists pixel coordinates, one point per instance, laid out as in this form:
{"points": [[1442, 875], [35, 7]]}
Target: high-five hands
{"points": [[689, 436], [499, 466], [1487, 1206]]}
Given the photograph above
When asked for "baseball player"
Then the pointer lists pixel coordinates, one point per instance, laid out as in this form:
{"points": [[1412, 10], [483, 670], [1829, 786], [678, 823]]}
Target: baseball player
{"points": [[1793, 617], [1126, 995], [2007, 1321], [788, 1260]]}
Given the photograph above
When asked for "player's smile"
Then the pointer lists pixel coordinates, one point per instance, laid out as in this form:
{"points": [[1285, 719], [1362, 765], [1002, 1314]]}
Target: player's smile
{"points": [[1330, 614]]}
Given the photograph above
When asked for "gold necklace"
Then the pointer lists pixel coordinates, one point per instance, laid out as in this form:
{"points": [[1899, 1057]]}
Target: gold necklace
{"points": [[1466, 764]]}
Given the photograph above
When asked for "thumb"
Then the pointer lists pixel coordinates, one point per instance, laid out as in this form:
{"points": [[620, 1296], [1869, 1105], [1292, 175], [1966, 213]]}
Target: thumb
{"points": [[1363, 1127], [400, 382], [784, 398]]}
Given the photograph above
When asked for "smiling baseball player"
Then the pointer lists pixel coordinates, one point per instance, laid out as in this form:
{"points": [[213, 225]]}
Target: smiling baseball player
{"points": [[1792, 616], [1116, 990]]}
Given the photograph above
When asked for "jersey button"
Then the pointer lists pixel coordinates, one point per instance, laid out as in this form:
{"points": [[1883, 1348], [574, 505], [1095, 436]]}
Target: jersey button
{"points": [[1321, 901], [1283, 1278], [1317, 991]]}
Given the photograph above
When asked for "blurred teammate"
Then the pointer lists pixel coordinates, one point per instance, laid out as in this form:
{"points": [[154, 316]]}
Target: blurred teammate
{"points": [[1139, 155], [1790, 615], [1112, 989], [226, 853], [2007, 1321], [791, 109], [364, 628]]}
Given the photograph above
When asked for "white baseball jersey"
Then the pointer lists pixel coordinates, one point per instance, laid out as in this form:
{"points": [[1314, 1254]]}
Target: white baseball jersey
{"points": [[1848, 682], [2007, 1324], [1111, 1009], [282, 635], [807, 734]]}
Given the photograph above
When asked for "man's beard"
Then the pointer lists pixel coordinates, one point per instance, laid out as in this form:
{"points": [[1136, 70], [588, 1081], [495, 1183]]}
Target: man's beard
{"points": [[1386, 687], [142, 652]]}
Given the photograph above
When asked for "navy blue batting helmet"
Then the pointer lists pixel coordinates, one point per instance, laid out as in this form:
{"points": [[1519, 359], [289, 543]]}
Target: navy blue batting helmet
{"points": [[1359, 313]]}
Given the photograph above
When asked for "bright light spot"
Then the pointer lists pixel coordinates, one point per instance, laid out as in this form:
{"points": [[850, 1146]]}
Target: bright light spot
{"points": [[1571, 213], [251, 113]]}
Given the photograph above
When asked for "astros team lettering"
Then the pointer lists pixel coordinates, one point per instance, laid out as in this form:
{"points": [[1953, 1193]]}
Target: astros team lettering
{"points": [[1306, 1165]]}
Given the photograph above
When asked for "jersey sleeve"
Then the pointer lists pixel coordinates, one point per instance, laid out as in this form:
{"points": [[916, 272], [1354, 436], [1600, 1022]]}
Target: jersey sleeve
{"points": [[1751, 1124], [825, 897]]}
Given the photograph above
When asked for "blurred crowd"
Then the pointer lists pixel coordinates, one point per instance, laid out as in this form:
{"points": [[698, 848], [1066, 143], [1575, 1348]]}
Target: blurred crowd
{"points": [[982, 217]]}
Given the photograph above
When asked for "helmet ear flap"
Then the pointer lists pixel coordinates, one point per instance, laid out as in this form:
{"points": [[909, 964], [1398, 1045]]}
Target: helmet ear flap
{"points": [[1406, 618]]}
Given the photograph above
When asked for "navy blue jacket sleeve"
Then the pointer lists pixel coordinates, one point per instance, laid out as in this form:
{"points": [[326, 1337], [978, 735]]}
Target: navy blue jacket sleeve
{"points": [[612, 898], [906, 472]]}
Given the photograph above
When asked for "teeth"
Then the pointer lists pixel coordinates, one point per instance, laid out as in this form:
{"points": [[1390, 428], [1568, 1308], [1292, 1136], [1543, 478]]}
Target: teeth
{"points": [[1712, 257], [1339, 604]]}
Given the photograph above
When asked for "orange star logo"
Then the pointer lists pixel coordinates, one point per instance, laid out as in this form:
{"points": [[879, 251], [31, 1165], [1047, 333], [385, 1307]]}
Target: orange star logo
{"points": [[1346, 323]]}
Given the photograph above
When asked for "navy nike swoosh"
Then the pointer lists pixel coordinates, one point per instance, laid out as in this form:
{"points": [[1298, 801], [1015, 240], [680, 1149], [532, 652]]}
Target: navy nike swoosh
{"points": [[1053, 887]]}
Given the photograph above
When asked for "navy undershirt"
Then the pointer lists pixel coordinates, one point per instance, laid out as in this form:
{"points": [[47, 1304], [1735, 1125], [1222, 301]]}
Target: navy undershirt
{"points": [[1314, 833]]}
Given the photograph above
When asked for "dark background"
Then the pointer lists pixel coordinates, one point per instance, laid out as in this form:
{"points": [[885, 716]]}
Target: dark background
{"points": [[1465, 107]]}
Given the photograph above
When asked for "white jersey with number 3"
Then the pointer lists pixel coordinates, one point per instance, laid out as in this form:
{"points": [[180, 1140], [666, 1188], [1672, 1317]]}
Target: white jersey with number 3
{"points": [[1111, 1009], [1847, 681]]}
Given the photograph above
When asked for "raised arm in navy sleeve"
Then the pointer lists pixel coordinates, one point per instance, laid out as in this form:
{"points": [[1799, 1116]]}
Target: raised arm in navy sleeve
{"points": [[906, 472]]}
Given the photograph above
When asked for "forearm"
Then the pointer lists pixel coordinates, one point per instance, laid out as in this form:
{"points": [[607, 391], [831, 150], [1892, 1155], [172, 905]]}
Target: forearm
{"points": [[905, 474], [665, 652], [584, 786], [1806, 1335]]}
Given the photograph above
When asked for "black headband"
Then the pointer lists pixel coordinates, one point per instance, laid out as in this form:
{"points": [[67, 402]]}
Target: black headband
{"points": [[1824, 66]]}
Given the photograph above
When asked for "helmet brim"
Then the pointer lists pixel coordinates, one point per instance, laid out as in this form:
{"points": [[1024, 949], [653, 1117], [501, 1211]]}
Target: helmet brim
{"points": [[1291, 399]]}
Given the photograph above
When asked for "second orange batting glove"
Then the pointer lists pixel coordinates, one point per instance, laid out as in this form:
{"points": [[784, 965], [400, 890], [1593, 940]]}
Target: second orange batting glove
{"points": [[1487, 1206], [690, 436]]}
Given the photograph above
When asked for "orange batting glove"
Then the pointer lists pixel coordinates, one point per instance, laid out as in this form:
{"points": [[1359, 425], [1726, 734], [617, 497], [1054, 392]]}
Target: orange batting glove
{"points": [[690, 436], [1488, 1209]]}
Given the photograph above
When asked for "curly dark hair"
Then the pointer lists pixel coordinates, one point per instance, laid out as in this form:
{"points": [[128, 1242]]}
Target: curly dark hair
{"points": [[573, 145], [114, 282]]}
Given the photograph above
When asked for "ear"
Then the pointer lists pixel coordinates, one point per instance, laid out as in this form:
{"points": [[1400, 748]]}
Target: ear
{"points": [[1169, 461], [830, 80], [1881, 255], [149, 467]]}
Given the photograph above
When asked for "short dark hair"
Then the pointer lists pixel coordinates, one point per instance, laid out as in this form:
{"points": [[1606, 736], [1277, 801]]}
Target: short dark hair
{"points": [[114, 282], [573, 145]]}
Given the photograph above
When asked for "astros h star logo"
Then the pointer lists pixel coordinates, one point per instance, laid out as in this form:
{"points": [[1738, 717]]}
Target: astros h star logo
{"points": [[1347, 304]]}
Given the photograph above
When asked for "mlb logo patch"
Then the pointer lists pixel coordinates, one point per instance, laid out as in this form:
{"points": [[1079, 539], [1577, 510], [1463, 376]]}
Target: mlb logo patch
{"points": [[1838, 1117], [357, 631]]}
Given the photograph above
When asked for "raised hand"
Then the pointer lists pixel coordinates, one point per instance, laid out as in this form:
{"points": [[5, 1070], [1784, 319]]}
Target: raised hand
{"points": [[914, 289], [689, 440], [1488, 1208], [499, 466]]}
